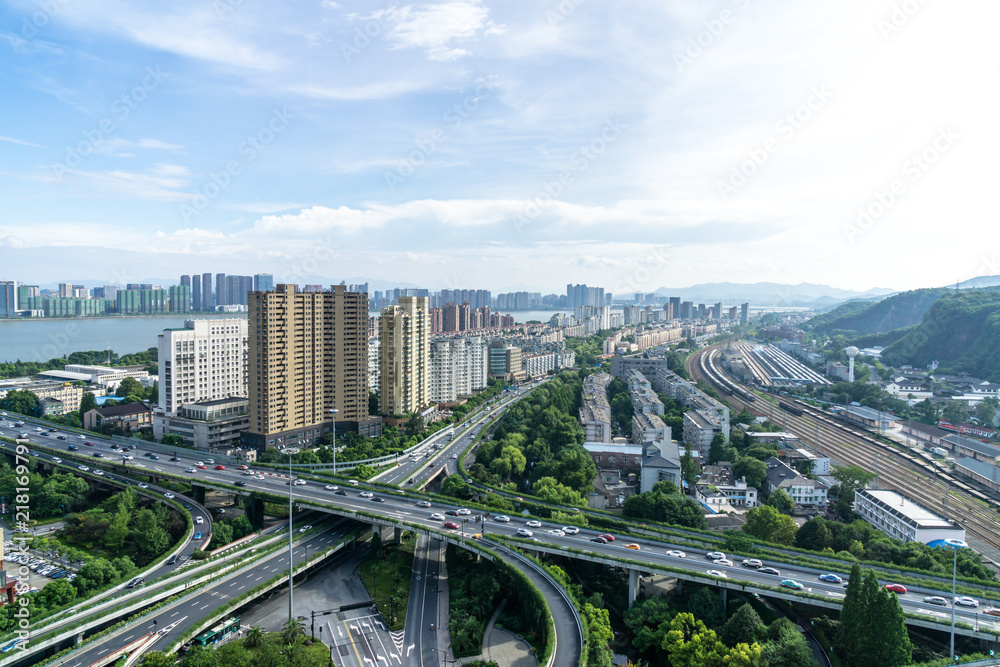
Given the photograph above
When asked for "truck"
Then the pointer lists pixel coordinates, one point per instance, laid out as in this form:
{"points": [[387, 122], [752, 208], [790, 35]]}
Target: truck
{"points": [[940, 451]]}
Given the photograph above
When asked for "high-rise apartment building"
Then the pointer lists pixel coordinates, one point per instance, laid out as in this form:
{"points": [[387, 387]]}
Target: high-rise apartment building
{"points": [[180, 298], [204, 361], [264, 282], [458, 367], [221, 293], [8, 298], [744, 313], [404, 356], [206, 291], [308, 354], [196, 293]]}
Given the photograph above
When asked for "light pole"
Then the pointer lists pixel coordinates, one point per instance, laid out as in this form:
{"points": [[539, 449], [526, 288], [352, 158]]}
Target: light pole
{"points": [[291, 451], [333, 434], [955, 544]]}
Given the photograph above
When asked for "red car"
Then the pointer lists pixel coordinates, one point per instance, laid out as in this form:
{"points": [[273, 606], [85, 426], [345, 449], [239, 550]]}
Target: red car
{"points": [[451, 525], [220, 467], [895, 588], [89, 444], [609, 538], [202, 467]]}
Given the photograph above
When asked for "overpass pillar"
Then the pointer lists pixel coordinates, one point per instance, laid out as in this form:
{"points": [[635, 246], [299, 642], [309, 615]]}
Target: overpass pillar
{"points": [[724, 593], [633, 586], [78, 638], [397, 535], [254, 508], [198, 493]]}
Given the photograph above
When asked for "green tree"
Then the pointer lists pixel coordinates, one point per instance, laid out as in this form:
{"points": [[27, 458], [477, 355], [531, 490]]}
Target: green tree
{"points": [[599, 636], [927, 412], [814, 535], [20, 401], [149, 537], [114, 536], [255, 636], [851, 478], [786, 646], [95, 574], [745, 626], [549, 490], [126, 568], [666, 487], [954, 411], [986, 411], [157, 659], [781, 501], [172, 440], [720, 450], [688, 643], [222, 534], [753, 470], [706, 605], [455, 486], [689, 469], [292, 630], [768, 524], [87, 403], [872, 630], [129, 386]]}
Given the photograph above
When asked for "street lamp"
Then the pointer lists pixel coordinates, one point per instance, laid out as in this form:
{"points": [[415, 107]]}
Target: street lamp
{"points": [[954, 544], [333, 427], [291, 451]]}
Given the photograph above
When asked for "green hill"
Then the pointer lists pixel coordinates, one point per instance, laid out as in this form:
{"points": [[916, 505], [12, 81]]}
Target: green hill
{"points": [[856, 318], [961, 331]]}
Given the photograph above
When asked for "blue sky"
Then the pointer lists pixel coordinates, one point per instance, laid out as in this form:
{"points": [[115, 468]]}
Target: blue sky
{"points": [[467, 143]]}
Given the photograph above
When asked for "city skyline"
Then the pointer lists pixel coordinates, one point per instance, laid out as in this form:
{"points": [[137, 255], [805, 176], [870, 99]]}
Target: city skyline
{"points": [[467, 140]]}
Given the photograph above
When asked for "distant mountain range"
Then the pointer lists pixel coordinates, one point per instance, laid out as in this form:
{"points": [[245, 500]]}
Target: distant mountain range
{"points": [[770, 294]]}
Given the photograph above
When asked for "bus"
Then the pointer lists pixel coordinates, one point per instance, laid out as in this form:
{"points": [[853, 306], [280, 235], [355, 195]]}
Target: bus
{"points": [[222, 629]]}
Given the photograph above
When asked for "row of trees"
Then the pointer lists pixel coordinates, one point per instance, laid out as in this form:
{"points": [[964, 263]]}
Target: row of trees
{"points": [[666, 503], [13, 369]]}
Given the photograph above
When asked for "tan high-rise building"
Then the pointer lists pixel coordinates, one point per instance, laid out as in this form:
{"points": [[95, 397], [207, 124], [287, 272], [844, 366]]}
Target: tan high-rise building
{"points": [[308, 353], [404, 356]]}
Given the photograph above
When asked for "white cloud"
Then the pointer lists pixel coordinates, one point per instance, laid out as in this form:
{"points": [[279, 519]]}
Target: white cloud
{"points": [[437, 28], [18, 141]]}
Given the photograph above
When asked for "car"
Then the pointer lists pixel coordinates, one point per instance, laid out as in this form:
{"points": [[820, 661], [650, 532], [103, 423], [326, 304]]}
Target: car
{"points": [[173, 559], [450, 525], [570, 530], [200, 466], [60, 437], [992, 611], [717, 573], [895, 588], [966, 601], [378, 499], [220, 467], [300, 482], [154, 457], [556, 533], [424, 504], [199, 463], [533, 524], [240, 483], [599, 540], [609, 538], [725, 562], [81, 437], [88, 443], [463, 511], [633, 546], [366, 494], [752, 562], [210, 461], [502, 518], [197, 535], [258, 477], [452, 512], [143, 485], [770, 570], [127, 457], [454, 456], [304, 529], [715, 555], [248, 472], [936, 599], [437, 516], [98, 455], [199, 520], [71, 448], [791, 583], [340, 492], [676, 553], [135, 582], [352, 482], [83, 468], [190, 470], [524, 532], [222, 510], [242, 467], [330, 487], [832, 578]]}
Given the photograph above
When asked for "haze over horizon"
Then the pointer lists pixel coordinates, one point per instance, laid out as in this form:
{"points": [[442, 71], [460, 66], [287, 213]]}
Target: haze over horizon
{"points": [[468, 143]]}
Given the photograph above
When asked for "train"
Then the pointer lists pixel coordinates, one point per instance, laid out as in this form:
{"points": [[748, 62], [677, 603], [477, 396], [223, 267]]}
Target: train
{"points": [[791, 409], [721, 381]]}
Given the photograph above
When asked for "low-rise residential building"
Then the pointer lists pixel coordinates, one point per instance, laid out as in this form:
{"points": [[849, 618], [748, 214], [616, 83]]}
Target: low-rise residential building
{"points": [[903, 519], [804, 492], [648, 428], [661, 462], [131, 417], [719, 478], [595, 411], [700, 428]]}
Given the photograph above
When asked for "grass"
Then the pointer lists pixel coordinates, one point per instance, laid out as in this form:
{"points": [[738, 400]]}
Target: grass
{"points": [[388, 575]]}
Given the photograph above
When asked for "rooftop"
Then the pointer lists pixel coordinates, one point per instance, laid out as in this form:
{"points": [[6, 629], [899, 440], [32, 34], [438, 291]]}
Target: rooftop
{"points": [[973, 444], [907, 509]]}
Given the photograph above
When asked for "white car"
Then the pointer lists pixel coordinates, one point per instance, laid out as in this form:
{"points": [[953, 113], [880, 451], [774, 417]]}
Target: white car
{"points": [[502, 518], [98, 472], [533, 524], [143, 485], [717, 573], [127, 457], [304, 529], [676, 553], [424, 503], [199, 520], [210, 460], [752, 562], [168, 495], [300, 482], [725, 562], [190, 470], [81, 437], [366, 494], [966, 601], [454, 456], [715, 555], [248, 472], [464, 512], [56, 459], [524, 532], [84, 468], [259, 477], [570, 530], [557, 533], [199, 463], [437, 516], [331, 487]]}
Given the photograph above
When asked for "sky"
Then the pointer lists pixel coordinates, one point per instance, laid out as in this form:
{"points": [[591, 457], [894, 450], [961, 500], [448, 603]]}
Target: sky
{"points": [[501, 145]]}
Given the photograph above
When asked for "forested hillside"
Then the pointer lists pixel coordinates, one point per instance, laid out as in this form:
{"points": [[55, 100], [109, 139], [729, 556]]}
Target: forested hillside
{"points": [[867, 317]]}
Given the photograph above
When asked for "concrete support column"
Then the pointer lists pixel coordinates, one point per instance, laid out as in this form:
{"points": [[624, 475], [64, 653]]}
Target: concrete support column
{"points": [[78, 638], [633, 586], [198, 493], [254, 508], [724, 593], [397, 535]]}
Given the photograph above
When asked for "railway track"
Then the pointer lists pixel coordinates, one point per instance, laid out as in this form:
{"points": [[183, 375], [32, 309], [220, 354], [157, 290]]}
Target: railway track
{"points": [[926, 482]]}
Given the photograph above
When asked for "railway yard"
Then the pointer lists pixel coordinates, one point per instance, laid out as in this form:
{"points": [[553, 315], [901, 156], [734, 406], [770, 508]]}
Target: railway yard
{"points": [[928, 482]]}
